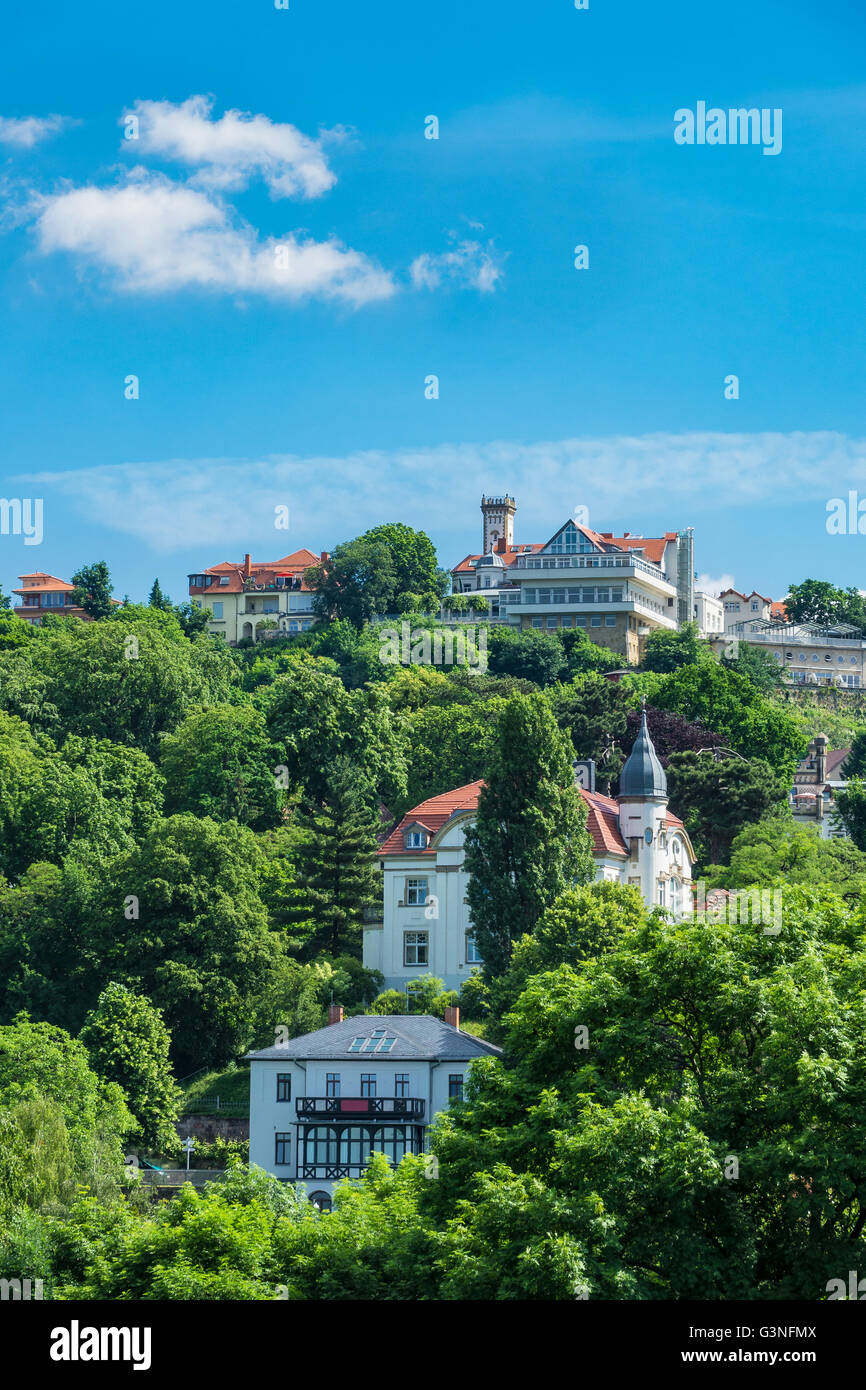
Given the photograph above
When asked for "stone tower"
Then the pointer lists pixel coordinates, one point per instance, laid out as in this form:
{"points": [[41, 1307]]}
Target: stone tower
{"points": [[498, 514]]}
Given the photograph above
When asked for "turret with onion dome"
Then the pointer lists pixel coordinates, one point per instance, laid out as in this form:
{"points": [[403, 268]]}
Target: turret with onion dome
{"points": [[643, 776]]}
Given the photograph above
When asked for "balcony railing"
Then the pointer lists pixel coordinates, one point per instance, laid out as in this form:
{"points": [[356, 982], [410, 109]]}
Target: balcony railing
{"points": [[359, 1107], [559, 562]]}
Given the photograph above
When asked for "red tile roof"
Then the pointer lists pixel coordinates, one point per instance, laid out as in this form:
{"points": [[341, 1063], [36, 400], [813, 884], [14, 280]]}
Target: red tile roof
{"points": [[602, 820], [40, 582], [433, 813], [262, 571], [652, 547]]}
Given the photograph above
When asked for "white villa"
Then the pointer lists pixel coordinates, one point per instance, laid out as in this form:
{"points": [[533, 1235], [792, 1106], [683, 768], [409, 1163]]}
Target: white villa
{"points": [[240, 597], [426, 927], [320, 1104], [618, 588]]}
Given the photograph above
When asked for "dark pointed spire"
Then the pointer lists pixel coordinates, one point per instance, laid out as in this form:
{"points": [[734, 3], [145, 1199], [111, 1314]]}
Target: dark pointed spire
{"points": [[643, 774]]}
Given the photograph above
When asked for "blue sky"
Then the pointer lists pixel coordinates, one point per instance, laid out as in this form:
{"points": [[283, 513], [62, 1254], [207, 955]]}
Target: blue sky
{"points": [[302, 384]]}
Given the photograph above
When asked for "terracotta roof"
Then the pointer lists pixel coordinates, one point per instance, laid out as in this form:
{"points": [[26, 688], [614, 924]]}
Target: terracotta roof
{"points": [[262, 571], [41, 582], [602, 820], [652, 547], [778, 610], [433, 813], [746, 597]]}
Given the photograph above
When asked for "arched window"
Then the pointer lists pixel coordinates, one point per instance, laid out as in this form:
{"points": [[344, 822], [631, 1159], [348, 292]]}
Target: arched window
{"points": [[322, 1200]]}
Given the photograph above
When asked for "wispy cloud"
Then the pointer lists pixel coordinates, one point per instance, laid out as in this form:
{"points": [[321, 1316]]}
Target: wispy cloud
{"points": [[27, 131], [169, 504], [468, 263], [228, 153], [714, 584], [152, 236]]}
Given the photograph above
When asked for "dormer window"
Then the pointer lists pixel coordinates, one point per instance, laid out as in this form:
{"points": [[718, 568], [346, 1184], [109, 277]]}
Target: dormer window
{"points": [[416, 839]]}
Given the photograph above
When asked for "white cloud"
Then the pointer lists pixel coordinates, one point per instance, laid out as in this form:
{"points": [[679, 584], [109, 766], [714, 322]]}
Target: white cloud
{"points": [[714, 584], [169, 504], [229, 152], [27, 131], [468, 263], [153, 236]]}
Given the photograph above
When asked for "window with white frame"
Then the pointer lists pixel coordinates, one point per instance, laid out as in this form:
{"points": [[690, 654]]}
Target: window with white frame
{"points": [[416, 839], [416, 947], [416, 892]]}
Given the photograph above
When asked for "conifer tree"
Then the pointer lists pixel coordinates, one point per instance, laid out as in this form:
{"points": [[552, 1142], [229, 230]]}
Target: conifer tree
{"points": [[337, 875], [529, 841], [157, 599]]}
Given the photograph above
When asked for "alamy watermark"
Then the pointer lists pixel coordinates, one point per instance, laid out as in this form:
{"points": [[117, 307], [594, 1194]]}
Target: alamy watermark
{"points": [[756, 907], [736, 126], [22, 516], [442, 647]]}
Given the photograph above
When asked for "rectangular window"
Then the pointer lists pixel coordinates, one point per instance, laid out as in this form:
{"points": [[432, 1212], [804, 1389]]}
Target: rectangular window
{"points": [[595, 622], [284, 1085], [416, 892], [217, 610], [455, 1086], [536, 622], [401, 1084], [224, 579], [551, 622], [282, 1150], [416, 839], [610, 620], [580, 620], [368, 1083], [53, 600], [271, 605], [332, 1084], [415, 948], [473, 955], [566, 620]]}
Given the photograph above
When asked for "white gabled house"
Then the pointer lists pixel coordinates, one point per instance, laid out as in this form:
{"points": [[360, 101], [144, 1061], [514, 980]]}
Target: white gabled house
{"points": [[426, 927], [320, 1104]]}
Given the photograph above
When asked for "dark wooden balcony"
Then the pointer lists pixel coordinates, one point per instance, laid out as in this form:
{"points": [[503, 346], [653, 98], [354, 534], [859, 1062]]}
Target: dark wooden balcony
{"points": [[383, 1108]]}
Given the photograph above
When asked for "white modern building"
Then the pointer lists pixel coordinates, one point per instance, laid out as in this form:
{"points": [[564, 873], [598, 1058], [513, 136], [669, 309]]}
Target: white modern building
{"points": [[320, 1104], [709, 614], [426, 927], [741, 609], [617, 588]]}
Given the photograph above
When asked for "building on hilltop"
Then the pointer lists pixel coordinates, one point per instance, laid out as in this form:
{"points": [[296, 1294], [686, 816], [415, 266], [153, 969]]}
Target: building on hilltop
{"points": [[807, 653], [646, 583], [742, 609], [426, 927], [818, 778], [240, 597], [321, 1103], [42, 593]]}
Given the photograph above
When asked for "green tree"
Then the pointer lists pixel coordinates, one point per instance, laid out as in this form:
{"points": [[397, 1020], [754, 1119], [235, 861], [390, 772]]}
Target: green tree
{"points": [[192, 620], [157, 599], [93, 589], [850, 811], [180, 919], [220, 763], [855, 763], [14, 631], [667, 651], [817, 601], [716, 799], [528, 655], [757, 665], [528, 842], [780, 851], [128, 1042], [593, 711], [356, 583], [86, 1117], [412, 557], [337, 874]]}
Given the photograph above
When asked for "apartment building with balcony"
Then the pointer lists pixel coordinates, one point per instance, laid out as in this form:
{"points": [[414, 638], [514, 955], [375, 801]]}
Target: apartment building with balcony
{"points": [[240, 598], [808, 653], [42, 593], [321, 1103], [616, 588]]}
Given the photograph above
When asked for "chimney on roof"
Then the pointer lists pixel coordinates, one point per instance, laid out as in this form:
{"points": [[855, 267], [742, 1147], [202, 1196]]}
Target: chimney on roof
{"points": [[248, 567], [452, 1016], [324, 557], [335, 1014]]}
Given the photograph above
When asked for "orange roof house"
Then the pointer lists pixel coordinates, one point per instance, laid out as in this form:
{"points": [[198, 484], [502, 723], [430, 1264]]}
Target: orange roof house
{"points": [[42, 593]]}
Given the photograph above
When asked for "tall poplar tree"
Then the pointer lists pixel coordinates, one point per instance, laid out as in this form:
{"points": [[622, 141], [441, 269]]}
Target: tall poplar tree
{"points": [[337, 874], [529, 841]]}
